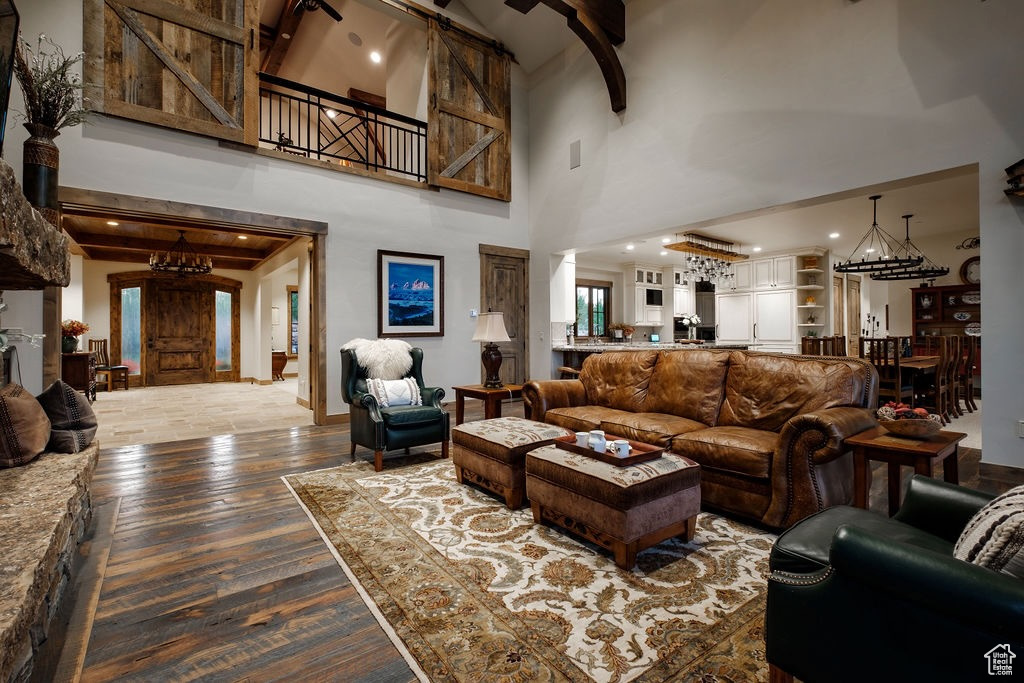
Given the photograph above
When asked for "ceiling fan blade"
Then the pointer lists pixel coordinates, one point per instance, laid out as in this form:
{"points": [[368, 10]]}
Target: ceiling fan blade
{"points": [[331, 12]]}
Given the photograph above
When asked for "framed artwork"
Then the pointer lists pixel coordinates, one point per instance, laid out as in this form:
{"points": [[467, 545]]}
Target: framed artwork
{"points": [[410, 294]]}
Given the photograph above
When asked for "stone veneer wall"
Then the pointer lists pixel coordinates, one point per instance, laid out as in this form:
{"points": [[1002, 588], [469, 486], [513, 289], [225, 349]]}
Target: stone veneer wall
{"points": [[45, 509]]}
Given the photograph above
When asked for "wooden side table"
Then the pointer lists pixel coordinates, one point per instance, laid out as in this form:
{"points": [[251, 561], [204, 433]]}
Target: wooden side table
{"points": [[492, 399], [921, 454], [79, 371]]}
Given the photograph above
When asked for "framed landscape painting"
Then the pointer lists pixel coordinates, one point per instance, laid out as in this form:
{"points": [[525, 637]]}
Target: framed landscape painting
{"points": [[410, 294]]}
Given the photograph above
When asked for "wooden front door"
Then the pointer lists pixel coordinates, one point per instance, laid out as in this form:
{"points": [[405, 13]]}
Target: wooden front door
{"points": [[504, 286], [178, 315], [853, 314]]}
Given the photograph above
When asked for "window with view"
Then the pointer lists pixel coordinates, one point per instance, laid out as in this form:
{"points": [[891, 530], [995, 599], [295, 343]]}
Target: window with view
{"points": [[593, 300]]}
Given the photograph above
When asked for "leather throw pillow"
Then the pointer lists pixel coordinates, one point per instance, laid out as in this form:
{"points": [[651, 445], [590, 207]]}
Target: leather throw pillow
{"points": [[24, 426], [73, 422], [994, 537]]}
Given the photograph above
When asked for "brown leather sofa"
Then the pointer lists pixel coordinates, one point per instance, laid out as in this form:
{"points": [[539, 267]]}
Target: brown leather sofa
{"points": [[767, 429]]}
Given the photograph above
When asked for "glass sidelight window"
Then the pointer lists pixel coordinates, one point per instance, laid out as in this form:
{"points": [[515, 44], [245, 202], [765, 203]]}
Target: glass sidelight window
{"points": [[131, 329], [222, 302]]}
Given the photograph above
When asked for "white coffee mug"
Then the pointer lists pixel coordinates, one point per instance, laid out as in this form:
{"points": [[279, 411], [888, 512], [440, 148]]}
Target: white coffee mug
{"points": [[582, 439], [597, 441], [621, 447]]}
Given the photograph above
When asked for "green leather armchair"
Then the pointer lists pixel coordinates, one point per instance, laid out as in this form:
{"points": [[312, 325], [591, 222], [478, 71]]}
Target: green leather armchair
{"points": [[385, 429], [856, 596]]}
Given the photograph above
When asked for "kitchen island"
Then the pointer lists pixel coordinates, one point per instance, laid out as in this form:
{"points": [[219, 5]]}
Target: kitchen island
{"points": [[572, 355]]}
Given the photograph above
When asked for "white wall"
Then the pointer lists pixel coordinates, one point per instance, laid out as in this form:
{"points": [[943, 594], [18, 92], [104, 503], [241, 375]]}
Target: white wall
{"points": [[743, 105], [363, 215]]}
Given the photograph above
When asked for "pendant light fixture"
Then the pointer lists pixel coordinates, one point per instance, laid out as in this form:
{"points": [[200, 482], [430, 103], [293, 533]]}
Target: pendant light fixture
{"points": [[181, 259], [880, 252], [927, 270], [707, 259]]}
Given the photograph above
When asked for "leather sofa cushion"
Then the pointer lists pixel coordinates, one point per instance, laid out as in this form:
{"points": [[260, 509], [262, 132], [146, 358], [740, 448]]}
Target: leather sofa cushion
{"points": [[763, 391], [804, 547], [582, 418], [618, 380], [401, 417], [734, 449], [689, 383], [506, 439], [653, 428], [621, 488]]}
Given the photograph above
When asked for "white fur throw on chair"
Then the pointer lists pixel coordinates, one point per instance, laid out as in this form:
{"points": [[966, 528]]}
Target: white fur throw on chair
{"points": [[382, 358]]}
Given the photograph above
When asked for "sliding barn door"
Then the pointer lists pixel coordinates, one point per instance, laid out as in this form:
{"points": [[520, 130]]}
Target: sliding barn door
{"points": [[183, 64], [469, 116]]}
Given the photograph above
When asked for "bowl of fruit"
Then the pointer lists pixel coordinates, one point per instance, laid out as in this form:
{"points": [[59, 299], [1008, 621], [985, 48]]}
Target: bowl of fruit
{"points": [[902, 420]]}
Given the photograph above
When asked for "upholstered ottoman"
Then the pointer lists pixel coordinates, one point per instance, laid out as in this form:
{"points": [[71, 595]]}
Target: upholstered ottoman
{"points": [[622, 509], [491, 453]]}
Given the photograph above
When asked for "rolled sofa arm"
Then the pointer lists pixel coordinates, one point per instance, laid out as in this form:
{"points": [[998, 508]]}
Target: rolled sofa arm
{"points": [[804, 477], [940, 508], [540, 396], [431, 396]]}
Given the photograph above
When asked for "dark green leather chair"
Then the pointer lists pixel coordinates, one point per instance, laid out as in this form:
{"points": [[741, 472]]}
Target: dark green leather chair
{"points": [[386, 429], [856, 596]]}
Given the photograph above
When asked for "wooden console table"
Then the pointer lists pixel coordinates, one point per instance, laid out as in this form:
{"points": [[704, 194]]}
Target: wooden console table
{"points": [[278, 359], [492, 399], [79, 370]]}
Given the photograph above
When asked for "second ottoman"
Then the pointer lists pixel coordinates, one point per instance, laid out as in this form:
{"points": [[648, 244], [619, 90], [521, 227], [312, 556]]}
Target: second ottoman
{"points": [[491, 453]]}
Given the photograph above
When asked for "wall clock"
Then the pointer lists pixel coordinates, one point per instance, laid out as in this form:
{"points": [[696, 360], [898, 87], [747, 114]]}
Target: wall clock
{"points": [[970, 271]]}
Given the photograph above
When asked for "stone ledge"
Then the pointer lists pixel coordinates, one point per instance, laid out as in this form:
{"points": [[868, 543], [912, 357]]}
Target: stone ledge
{"points": [[45, 509], [33, 253]]}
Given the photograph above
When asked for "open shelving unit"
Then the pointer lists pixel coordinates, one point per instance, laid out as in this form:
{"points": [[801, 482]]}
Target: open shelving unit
{"points": [[812, 318]]}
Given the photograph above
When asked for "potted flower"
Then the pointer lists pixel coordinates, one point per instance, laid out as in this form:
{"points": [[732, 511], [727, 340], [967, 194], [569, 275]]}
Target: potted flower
{"points": [[691, 320], [70, 331], [52, 90], [620, 330]]}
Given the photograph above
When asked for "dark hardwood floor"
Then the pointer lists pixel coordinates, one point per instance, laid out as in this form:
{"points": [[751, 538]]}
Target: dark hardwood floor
{"points": [[201, 566]]}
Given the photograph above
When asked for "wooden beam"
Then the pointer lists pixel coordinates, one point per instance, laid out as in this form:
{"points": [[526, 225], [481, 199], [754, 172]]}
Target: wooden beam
{"points": [[287, 25], [609, 15], [147, 246], [523, 6], [588, 30], [442, 3], [368, 98]]}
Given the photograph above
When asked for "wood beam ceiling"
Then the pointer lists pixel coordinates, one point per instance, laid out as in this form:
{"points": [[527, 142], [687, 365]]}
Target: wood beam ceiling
{"points": [[287, 25]]}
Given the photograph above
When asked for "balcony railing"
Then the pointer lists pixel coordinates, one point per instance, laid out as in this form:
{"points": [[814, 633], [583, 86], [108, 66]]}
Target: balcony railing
{"points": [[316, 124]]}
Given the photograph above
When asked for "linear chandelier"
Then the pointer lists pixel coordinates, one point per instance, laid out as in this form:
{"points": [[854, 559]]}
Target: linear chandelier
{"points": [[885, 254], [707, 258], [927, 270], [181, 259]]}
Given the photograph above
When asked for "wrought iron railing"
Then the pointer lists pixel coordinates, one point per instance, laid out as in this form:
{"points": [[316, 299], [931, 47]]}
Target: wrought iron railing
{"points": [[316, 124]]}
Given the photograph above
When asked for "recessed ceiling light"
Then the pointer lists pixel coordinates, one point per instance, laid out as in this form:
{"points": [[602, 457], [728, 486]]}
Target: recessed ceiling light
{"points": [[666, 240], [375, 57], [833, 235], [756, 249], [355, 39], [870, 251], [112, 223], [286, 36], [243, 237], [664, 253], [630, 247]]}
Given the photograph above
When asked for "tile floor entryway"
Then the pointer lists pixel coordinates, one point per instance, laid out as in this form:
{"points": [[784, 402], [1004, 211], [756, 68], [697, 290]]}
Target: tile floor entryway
{"points": [[159, 414]]}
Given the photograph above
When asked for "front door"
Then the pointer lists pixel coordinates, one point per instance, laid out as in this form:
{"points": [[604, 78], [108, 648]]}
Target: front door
{"points": [[504, 278], [178, 349], [853, 313]]}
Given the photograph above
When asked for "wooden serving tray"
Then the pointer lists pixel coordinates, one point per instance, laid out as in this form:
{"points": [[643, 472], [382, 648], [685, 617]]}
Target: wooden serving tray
{"points": [[638, 451]]}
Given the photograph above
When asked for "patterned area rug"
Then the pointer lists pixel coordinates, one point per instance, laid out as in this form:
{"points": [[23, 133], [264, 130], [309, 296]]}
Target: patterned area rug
{"points": [[476, 592]]}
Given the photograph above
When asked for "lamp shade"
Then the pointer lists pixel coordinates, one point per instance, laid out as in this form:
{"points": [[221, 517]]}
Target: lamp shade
{"points": [[490, 327]]}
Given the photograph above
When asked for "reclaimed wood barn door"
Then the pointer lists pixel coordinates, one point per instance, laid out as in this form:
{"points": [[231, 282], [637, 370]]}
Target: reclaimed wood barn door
{"points": [[469, 117], [504, 286], [183, 64]]}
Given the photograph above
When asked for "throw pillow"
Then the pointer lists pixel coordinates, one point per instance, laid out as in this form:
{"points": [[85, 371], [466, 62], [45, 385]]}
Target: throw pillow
{"points": [[383, 358], [24, 427], [395, 392], [73, 422], [994, 537]]}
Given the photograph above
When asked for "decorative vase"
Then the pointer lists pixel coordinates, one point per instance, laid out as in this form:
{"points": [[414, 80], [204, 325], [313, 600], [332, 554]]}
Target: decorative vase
{"points": [[40, 164], [616, 334], [691, 332], [69, 344]]}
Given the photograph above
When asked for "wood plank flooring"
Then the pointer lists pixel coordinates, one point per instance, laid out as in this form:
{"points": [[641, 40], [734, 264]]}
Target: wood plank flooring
{"points": [[215, 573]]}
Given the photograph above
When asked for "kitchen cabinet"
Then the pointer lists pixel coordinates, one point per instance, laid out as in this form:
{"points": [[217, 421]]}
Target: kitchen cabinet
{"points": [[682, 302], [741, 280], [647, 275], [640, 278], [735, 316], [766, 320], [643, 314], [774, 273]]}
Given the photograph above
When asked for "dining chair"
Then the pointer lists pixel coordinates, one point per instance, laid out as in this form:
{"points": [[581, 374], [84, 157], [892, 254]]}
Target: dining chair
{"points": [[956, 354], [884, 354], [965, 377], [812, 346], [834, 345], [933, 390], [114, 374]]}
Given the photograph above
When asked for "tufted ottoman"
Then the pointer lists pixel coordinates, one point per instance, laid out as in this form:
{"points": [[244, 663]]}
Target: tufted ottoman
{"points": [[490, 453], [622, 509]]}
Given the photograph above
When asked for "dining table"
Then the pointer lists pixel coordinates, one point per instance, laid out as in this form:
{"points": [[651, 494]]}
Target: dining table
{"points": [[920, 365]]}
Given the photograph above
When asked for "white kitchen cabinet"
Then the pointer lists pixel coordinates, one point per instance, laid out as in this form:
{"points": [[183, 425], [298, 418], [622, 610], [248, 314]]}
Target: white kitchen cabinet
{"points": [[734, 317], [682, 301], [775, 317], [741, 280], [778, 272]]}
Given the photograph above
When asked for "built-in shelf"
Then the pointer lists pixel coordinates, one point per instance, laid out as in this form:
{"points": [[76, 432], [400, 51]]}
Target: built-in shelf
{"points": [[811, 271], [810, 306], [814, 287], [810, 324]]}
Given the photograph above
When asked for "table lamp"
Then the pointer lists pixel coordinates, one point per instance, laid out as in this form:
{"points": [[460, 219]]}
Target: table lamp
{"points": [[490, 329]]}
